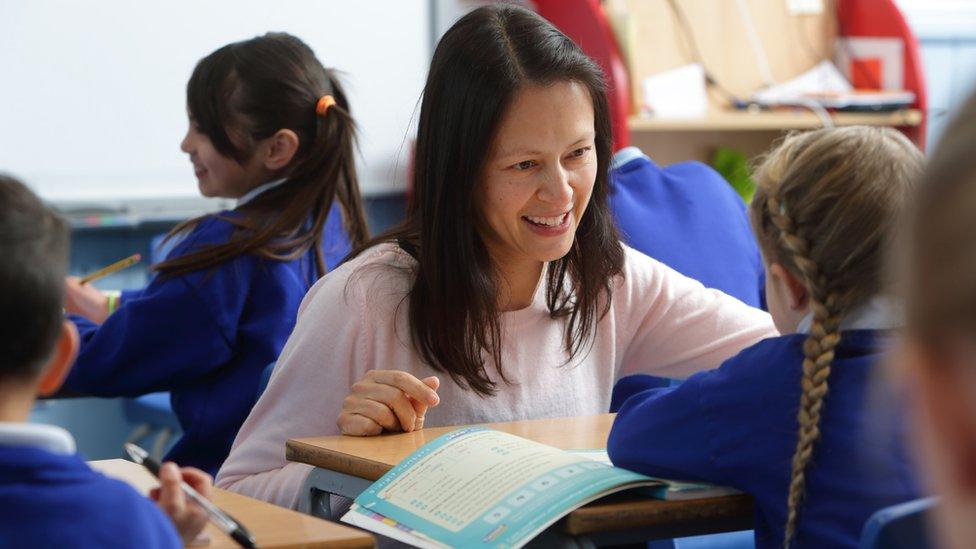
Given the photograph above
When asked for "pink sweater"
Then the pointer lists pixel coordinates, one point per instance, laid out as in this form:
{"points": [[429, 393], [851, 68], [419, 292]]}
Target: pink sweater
{"points": [[660, 323]]}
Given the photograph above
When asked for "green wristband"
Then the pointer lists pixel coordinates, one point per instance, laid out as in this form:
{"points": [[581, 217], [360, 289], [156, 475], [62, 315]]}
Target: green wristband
{"points": [[113, 300]]}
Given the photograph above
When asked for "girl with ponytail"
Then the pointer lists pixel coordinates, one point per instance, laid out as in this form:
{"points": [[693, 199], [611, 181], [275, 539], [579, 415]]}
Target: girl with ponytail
{"points": [[271, 127], [787, 420]]}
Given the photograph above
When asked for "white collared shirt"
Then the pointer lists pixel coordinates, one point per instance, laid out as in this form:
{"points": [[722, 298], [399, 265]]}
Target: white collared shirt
{"points": [[253, 193], [881, 312], [37, 435]]}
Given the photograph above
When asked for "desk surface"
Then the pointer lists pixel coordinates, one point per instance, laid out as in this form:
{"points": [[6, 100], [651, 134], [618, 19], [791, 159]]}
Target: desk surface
{"points": [[271, 525], [371, 457]]}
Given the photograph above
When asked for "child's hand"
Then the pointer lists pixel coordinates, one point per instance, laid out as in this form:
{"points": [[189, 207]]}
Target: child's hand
{"points": [[84, 300], [390, 400], [188, 517]]}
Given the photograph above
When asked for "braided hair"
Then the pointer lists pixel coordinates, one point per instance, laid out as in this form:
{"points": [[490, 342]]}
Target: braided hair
{"points": [[824, 210]]}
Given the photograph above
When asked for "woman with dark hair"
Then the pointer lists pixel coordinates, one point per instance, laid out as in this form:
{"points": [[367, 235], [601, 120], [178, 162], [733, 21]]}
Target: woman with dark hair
{"points": [[507, 276]]}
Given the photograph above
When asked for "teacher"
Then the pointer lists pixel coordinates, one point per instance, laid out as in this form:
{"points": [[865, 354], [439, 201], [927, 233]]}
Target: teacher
{"points": [[506, 294]]}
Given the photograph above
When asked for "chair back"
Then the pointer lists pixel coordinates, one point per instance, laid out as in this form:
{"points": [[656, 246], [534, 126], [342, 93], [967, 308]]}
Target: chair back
{"points": [[901, 526]]}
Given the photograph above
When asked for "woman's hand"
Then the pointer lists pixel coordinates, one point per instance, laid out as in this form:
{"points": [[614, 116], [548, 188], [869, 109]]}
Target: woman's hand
{"points": [[387, 400], [188, 517], [82, 299]]}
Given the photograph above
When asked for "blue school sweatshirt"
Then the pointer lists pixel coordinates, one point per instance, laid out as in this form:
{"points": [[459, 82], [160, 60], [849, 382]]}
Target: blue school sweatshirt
{"points": [[205, 336], [56, 500], [736, 426], [688, 217]]}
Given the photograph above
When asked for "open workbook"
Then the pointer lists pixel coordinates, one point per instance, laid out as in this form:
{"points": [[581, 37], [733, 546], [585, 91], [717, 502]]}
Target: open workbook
{"points": [[477, 487]]}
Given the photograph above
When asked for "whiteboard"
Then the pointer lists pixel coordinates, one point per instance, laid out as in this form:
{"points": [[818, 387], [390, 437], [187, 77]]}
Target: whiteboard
{"points": [[92, 94]]}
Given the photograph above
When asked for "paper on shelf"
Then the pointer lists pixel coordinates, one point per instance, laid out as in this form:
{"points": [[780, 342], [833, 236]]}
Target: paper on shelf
{"points": [[821, 79], [677, 93]]}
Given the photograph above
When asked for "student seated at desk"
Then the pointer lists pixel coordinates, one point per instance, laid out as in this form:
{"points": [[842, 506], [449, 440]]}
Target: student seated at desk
{"points": [[270, 126], [939, 356], [508, 275], [789, 420], [49, 497], [688, 217]]}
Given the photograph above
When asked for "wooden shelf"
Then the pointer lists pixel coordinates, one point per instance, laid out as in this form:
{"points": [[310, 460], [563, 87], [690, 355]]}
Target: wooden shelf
{"points": [[771, 121]]}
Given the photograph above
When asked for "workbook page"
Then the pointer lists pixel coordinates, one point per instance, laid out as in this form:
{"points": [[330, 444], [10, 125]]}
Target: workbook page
{"points": [[478, 486]]}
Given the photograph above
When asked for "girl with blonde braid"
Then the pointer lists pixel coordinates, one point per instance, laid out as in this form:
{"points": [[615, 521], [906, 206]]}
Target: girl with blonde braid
{"points": [[787, 419]]}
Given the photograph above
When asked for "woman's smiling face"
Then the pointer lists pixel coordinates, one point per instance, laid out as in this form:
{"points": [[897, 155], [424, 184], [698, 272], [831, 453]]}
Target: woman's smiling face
{"points": [[539, 174]]}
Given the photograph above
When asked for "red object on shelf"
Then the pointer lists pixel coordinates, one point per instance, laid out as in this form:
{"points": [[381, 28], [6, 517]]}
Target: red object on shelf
{"points": [[866, 73], [882, 19], [585, 22]]}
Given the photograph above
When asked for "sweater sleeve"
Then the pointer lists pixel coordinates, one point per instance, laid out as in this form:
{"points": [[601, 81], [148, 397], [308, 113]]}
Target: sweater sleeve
{"points": [[674, 326], [174, 332], [665, 432], [161, 338], [304, 396]]}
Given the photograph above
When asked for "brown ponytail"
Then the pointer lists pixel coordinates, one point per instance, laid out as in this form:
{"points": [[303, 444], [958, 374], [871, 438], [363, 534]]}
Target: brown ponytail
{"points": [[252, 89], [824, 210]]}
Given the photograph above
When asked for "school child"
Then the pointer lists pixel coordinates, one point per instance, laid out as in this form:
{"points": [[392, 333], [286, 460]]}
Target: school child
{"points": [[689, 218], [271, 127], [938, 359], [788, 420], [48, 494]]}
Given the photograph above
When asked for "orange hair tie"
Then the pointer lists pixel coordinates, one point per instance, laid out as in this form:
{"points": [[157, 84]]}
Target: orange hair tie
{"points": [[322, 107]]}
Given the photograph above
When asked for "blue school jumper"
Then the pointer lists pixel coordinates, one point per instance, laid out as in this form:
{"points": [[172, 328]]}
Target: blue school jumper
{"points": [[54, 499], [205, 336], [689, 218], [736, 426]]}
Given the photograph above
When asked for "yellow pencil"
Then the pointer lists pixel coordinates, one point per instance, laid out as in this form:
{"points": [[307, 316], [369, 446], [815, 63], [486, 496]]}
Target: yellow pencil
{"points": [[114, 267]]}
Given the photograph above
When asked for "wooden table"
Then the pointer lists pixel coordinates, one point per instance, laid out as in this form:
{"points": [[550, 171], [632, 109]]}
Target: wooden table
{"points": [[347, 465], [272, 526]]}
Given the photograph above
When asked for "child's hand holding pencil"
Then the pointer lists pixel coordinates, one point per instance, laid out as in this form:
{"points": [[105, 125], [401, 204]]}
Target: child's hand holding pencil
{"points": [[89, 302]]}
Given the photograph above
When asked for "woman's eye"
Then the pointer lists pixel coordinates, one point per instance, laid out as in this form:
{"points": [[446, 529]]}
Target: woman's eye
{"points": [[524, 165], [580, 152]]}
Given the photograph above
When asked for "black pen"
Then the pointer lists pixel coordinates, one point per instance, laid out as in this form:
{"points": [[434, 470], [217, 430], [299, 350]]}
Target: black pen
{"points": [[223, 521]]}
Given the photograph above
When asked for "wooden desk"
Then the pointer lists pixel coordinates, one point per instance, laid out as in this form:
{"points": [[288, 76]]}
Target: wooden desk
{"points": [[347, 465], [272, 526]]}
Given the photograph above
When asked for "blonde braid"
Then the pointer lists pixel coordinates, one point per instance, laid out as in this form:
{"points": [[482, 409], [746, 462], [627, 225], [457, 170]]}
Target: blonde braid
{"points": [[818, 351]]}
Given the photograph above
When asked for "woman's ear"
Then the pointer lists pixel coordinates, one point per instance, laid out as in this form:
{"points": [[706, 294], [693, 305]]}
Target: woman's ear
{"points": [[282, 147], [58, 366], [796, 291]]}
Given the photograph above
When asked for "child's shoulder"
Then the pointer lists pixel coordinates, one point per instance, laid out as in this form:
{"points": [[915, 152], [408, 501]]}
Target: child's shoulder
{"points": [[215, 228], [143, 518], [771, 346], [631, 167], [63, 489], [145, 524], [771, 356], [763, 363]]}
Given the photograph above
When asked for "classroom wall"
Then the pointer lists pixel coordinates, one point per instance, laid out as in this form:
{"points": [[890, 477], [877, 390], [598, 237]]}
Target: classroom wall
{"points": [[946, 30], [99, 98]]}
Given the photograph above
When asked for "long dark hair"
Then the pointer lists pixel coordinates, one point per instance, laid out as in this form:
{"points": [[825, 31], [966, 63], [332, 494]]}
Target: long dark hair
{"points": [[252, 89], [478, 68]]}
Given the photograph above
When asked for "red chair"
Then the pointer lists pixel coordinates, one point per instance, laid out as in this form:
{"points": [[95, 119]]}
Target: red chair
{"points": [[882, 19], [585, 22]]}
